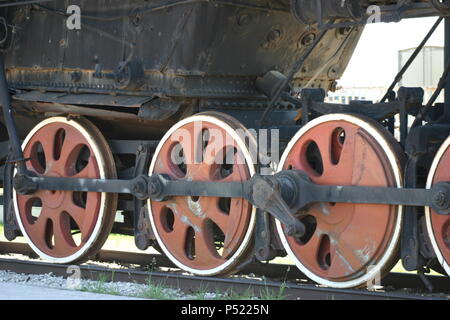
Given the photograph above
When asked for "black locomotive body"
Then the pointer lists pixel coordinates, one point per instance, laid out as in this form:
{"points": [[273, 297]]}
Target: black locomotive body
{"points": [[176, 57]]}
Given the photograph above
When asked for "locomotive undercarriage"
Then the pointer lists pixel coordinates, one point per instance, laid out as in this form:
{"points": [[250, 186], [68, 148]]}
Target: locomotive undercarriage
{"points": [[126, 115]]}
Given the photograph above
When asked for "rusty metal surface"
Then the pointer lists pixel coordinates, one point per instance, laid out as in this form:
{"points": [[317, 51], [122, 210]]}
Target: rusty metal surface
{"points": [[243, 41], [66, 109], [83, 99], [7, 3]]}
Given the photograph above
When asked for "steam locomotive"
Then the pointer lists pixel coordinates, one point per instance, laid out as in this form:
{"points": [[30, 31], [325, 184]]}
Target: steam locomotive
{"points": [[173, 112]]}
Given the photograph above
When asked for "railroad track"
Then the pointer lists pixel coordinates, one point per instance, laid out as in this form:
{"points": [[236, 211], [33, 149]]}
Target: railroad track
{"points": [[255, 277]]}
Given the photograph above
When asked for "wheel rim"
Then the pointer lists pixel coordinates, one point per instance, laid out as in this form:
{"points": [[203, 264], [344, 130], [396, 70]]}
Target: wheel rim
{"points": [[346, 245], [187, 228], [438, 226], [66, 226]]}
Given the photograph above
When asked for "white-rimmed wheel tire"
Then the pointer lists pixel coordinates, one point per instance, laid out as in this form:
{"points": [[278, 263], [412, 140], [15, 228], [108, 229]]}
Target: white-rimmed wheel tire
{"points": [[438, 226], [204, 235], [66, 226], [345, 245]]}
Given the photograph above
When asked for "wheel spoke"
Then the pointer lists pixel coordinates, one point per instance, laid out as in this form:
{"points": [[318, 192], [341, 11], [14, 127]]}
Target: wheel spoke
{"points": [[47, 148], [323, 142], [61, 230], [189, 141], [349, 148], [164, 165], [345, 258], [310, 249], [38, 230], [88, 171], [71, 142], [214, 152], [176, 239], [78, 214], [66, 163], [179, 229], [218, 216], [205, 250]]}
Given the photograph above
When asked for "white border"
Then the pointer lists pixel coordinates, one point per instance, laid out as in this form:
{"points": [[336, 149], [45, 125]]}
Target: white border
{"points": [[100, 161], [373, 272], [229, 263], [430, 230]]}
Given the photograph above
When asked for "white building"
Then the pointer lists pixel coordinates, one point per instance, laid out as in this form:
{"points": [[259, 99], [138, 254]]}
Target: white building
{"points": [[424, 72], [347, 94]]}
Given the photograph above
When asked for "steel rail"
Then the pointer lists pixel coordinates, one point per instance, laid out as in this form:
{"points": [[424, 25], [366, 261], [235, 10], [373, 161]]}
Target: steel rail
{"points": [[295, 283], [189, 284]]}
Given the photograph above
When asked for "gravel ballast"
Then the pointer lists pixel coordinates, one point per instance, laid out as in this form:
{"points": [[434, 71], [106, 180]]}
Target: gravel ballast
{"points": [[148, 291]]}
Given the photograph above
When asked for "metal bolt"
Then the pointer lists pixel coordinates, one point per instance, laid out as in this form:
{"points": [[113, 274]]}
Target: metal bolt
{"points": [[263, 253], [243, 20], [333, 71], [152, 188], [406, 260], [344, 31], [75, 76], [440, 199], [273, 35], [290, 230], [333, 86], [136, 20], [308, 39]]}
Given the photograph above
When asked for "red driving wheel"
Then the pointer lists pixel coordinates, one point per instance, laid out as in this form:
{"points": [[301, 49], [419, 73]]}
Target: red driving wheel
{"points": [[439, 225], [204, 235], [345, 245], [66, 226]]}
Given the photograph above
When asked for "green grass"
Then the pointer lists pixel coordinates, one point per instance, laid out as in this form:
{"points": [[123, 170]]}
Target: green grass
{"points": [[269, 294], [100, 286], [156, 291], [201, 292], [232, 295]]}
